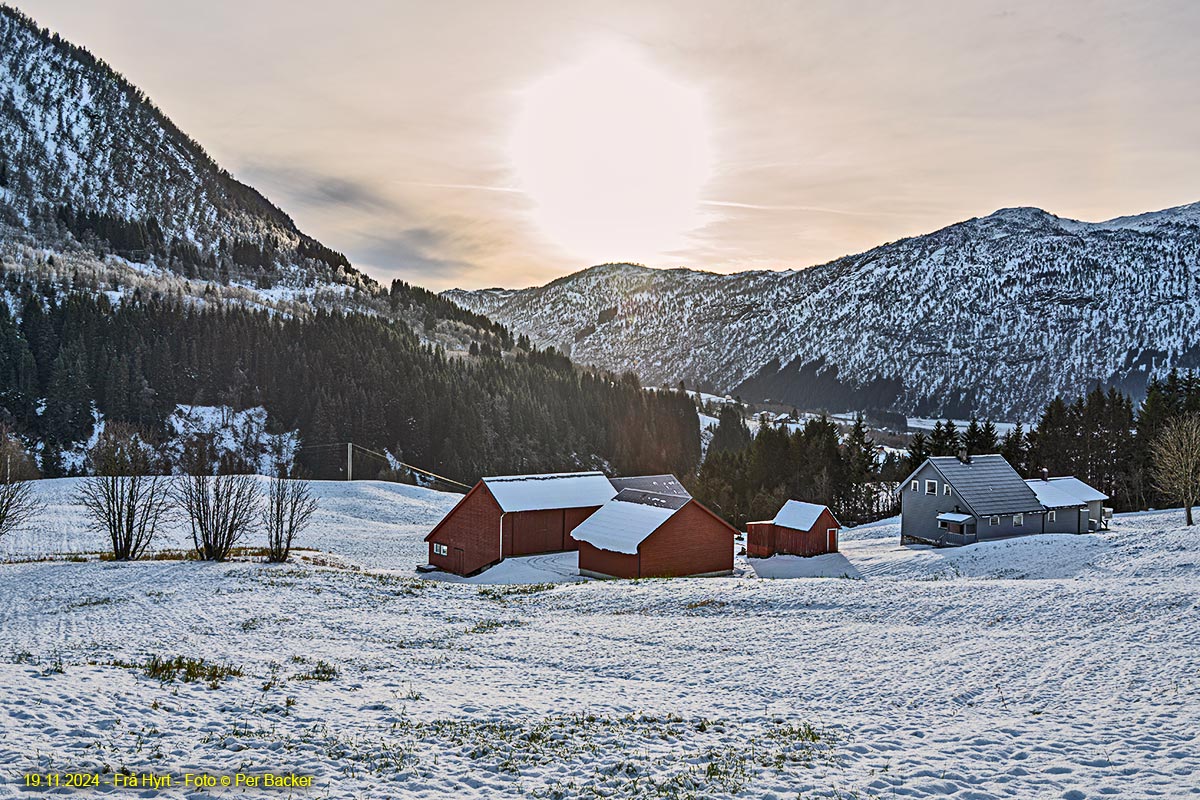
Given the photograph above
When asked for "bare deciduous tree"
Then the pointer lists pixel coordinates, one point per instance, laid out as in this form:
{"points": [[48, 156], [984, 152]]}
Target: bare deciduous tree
{"points": [[289, 509], [122, 497], [18, 502], [222, 510], [1176, 454]]}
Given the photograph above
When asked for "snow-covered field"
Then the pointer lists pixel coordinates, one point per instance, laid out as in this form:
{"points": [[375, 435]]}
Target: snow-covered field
{"points": [[1056, 667]]}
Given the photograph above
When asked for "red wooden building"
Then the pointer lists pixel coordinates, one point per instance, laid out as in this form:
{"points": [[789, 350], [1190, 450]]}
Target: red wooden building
{"points": [[643, 534], [515, 515], [799, 529]]}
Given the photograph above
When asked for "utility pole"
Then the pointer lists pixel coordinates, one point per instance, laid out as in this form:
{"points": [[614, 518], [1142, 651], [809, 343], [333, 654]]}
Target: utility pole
{"points": [[349, 461]]}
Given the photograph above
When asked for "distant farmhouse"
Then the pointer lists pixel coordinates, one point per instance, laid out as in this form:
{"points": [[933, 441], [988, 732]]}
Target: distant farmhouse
{"points": [[952, 500], [799, 529], [518, 515]]}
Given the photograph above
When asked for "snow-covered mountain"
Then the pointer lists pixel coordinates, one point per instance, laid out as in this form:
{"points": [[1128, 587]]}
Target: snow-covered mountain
{"points": [[87, 160], [996, 315]]}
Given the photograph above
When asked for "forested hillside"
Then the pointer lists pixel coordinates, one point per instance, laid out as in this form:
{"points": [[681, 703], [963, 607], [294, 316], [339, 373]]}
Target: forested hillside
{"points": [[68, 358]]}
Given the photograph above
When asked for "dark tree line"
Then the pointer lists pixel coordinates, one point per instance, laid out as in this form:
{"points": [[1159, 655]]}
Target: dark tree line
{"points": [[335, 377], [745, 478]]}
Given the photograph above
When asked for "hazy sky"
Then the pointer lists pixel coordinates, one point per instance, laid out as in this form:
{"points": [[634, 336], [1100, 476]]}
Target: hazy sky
{"points": [[799, 131]]}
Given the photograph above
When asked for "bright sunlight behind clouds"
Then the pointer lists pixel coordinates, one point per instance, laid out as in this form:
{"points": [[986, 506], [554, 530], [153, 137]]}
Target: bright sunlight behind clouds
{"points": [[471, 143], [614, 154]]}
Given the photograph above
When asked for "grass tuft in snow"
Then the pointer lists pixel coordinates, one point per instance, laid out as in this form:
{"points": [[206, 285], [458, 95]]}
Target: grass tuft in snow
{"points": [[189, 670], [321, 671]]}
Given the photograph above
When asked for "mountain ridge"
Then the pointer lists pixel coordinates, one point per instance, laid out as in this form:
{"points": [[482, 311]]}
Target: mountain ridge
{"points": [[994, 314]]}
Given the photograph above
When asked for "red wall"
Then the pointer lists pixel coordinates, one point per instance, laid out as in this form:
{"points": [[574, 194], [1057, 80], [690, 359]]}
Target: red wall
{"points": [[692, 542], [760, 539], [606, 562], [472, 526]]}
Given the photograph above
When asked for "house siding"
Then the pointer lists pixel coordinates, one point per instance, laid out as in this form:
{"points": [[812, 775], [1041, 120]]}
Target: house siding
{"points": [[919, 511]]}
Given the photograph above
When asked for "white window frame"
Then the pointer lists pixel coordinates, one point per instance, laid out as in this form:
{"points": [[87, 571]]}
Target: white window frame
{"points": [[916, 485], [942, 524], [440, 549], [946, 490], [931, 487], [1051, 516], [993, 520], [1018, 520]]}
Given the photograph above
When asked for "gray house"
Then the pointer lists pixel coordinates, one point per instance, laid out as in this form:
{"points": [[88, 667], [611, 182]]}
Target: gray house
{"points": [[952, 500]]}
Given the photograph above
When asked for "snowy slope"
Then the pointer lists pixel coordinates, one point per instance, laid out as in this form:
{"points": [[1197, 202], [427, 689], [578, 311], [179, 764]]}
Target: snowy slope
{"points": [[1044, 667], [995, 315]]}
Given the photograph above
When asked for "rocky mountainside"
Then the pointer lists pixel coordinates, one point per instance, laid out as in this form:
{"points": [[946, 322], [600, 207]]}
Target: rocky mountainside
{"points": [[86, 160], [995, 315]]}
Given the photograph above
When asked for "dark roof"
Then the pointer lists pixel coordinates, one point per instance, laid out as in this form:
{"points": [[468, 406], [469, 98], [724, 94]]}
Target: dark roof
{"points": [[671, 501], [988, 485], [660, 484]]}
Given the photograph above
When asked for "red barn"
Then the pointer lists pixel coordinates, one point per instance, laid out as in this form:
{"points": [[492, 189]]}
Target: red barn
{"points": [[643, 534], [515, 515], [799, 529]]}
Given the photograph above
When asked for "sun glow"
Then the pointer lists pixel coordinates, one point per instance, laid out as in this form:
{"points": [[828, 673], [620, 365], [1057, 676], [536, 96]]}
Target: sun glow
{"points": [[614, 154]]}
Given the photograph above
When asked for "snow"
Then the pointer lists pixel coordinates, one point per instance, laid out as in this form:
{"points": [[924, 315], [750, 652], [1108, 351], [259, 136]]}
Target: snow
{"points": [[1075, 488], [798, 515], [561, 490], [952, 517], [1051, 495], [1055, 666], [621, 526], [925, 424]]}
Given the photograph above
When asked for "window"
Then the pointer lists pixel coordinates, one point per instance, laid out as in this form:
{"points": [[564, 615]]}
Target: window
{"points": [[1018, 519], [1050, 516], [941, 523], [930, 487], [993, 520], [916, 486], [946, 489], [440, 549]]}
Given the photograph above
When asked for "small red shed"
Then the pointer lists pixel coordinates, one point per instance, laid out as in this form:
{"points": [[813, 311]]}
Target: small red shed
{"points": [[515, 515], [799, 529], [641, 534]]}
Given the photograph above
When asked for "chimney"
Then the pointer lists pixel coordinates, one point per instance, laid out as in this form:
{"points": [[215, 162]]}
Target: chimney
{"points": [[1045, 474], [963, 456]]}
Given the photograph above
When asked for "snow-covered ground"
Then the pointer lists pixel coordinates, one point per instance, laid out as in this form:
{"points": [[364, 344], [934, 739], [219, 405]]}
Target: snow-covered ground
{"points": [[1045, 667]]}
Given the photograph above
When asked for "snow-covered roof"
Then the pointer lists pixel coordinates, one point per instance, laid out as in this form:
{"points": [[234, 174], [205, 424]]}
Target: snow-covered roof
{"points": [[950, 516], [662, 484], [798, 515], [1052, 495], [621, 525], [556, 490], [1078, 489]]}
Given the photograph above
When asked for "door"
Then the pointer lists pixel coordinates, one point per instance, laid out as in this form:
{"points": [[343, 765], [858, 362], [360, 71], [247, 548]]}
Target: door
{"points": [[832, 534], [456, 561]]}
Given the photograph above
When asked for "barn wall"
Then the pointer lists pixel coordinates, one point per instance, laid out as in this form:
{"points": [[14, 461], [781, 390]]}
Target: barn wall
{"points": [[473, 526], [812, 542], [574, 516], [529, 532], [760, 539], [596, 562], [692, 542]]}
